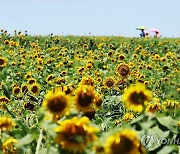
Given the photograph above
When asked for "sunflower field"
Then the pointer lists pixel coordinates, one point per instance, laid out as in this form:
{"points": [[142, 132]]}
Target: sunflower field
{"points": [[89, 94]]}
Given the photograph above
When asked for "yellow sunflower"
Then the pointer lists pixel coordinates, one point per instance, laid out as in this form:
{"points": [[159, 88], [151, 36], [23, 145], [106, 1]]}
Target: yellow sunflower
{"points": [[153, 107], [34, 89], [75, 134], [3, 62], [31, 81], [109, 82], [8, 146], [135, 97], [16, 90], [24, 88], [57, 103], [87, 81], [128, 117], [84, 97], [3, 100], [123, 142], [6, 123], [123, 70]]}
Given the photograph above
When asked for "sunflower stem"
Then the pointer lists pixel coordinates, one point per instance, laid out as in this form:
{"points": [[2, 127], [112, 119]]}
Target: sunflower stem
{"points": [[39, 141], [12, 114]]}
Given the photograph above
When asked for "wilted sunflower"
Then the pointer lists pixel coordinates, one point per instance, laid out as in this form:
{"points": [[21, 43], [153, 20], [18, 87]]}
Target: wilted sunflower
{"points": [[8, 146], [57, 103], [123, 70], [75, 134], [135, 97], [3, 62], [109, 82], [84, 97], [34, 89], [170, 105], [6, 123], [153, 107], [123, 142]]}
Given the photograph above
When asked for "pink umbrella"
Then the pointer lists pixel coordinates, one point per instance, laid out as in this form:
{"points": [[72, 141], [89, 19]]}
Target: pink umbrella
{"points": [[154, 30]]}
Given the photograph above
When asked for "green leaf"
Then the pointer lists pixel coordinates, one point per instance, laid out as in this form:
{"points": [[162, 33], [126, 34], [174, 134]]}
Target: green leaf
{"points": [[169, 123], [157, 134], [25, 140], [168, 149]]}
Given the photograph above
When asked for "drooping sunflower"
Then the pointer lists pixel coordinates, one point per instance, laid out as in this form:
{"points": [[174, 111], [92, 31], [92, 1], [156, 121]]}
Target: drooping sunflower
{"points": [[34, 89], [3, 62], [84, 97], [135, 96], [123, 142], [109, 82], [6, 123], [153, 107], [123, 70], [57, 103], [8, 146], [75, 134]]}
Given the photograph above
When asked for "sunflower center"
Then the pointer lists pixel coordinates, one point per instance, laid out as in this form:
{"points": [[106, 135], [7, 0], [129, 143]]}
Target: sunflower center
{"points": [[16, 90], [85, 99], [34, 89], [57, 104], [138, 98], [124, 146], [1, 61], [75, 133], [109, 83]]}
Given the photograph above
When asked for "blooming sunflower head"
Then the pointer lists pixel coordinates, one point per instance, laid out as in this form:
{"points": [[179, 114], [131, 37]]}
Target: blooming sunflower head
{"points": [[57, 103], [34, 89], [128, 116], [125, 142], [16, 90], [123, 70], [109, 82], [8, 146], [6, 124], [75, 134], [84, 97], [135, 97], [3, 62]]}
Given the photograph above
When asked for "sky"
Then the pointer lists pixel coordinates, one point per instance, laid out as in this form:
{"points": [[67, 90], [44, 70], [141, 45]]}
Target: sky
{"points": [[90, 17]]}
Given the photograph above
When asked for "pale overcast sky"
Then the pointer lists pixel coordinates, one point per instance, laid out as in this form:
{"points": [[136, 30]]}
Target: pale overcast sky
{"points": [[100, 17]]}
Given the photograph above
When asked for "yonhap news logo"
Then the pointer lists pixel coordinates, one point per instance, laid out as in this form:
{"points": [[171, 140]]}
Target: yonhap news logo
{"points": [[148, 140]]}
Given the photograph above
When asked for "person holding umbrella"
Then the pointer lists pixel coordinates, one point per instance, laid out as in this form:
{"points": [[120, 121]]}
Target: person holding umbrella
{"points": [[142, 28], [156, 31]]}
